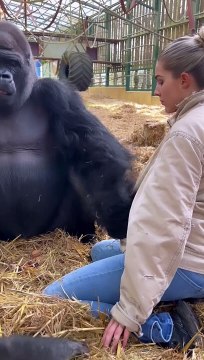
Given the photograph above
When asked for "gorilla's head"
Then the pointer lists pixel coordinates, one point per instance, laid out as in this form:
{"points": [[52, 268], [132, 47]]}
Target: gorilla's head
{"points": [[17, 72]]}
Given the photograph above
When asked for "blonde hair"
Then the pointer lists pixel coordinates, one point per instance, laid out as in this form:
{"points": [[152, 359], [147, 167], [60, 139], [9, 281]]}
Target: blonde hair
{"points": [[186, 54]]}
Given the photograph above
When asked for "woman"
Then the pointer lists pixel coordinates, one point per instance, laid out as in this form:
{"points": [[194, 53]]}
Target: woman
{"points": [[164, 257]]}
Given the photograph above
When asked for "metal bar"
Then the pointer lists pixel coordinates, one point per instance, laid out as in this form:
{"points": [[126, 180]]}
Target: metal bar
{"points": [[86, 3], [110, 63], [198, 2], [191, 18], [156, 43], [130, 21], [108, 27], [145, 5], [128, 53], [172, 25], [25, 13], [67, 36], [197, 8]]}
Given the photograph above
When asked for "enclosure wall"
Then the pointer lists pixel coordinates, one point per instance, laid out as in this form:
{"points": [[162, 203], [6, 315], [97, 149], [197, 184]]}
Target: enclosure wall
{"points": [[127, 56]]}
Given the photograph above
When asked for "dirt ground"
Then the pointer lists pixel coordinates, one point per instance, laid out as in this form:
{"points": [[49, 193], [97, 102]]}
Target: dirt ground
{"points": [[27, 266], [126, 121]]}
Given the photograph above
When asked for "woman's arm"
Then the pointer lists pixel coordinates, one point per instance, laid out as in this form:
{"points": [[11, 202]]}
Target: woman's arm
{"points": [[159, 226]]}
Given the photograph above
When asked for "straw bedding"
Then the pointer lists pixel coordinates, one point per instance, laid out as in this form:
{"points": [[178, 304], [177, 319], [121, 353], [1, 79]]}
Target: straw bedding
{"points": [[26, 267]]}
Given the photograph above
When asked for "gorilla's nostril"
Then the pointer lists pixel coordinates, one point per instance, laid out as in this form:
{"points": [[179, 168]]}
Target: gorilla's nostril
{"points": [[6, 75]]}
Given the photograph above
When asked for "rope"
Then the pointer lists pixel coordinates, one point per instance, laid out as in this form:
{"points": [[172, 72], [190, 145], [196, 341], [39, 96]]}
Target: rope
{"points": [[168, 14]]}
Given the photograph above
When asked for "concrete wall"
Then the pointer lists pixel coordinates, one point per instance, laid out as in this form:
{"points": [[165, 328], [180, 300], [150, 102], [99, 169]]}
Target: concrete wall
{"points": [[55, 50], [119, 93]]}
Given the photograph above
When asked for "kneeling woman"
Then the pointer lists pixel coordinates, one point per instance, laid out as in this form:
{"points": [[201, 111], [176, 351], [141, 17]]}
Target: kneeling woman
{"points": [[164, 256]]}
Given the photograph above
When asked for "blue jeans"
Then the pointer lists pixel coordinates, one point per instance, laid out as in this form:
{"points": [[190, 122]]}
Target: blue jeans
{"points": [[99, 285]]}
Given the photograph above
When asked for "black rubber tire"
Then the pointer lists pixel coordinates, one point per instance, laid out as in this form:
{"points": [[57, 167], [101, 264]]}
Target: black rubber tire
{"points": [[77, 69]]}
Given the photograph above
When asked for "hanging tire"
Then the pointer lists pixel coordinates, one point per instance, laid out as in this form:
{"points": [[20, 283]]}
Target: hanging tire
{"points": [[77, 69]]}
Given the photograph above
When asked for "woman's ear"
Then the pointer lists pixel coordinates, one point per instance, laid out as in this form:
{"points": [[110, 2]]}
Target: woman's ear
{"points": [[186, 80]]}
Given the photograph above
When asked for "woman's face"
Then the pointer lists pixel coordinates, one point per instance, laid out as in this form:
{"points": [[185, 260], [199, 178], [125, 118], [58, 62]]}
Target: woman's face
{"points": [[172, 90]]}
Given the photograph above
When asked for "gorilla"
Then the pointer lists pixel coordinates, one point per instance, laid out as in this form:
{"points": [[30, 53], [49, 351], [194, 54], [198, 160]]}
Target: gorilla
{"points": [[59, 166], [19, 347]]}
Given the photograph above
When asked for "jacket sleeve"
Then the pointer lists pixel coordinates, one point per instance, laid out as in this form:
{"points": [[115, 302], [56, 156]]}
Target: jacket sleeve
{"points": [[159, 226]]}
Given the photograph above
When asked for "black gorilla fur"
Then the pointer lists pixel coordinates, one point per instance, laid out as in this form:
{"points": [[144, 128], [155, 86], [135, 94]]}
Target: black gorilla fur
{"points": [[59, 166]]}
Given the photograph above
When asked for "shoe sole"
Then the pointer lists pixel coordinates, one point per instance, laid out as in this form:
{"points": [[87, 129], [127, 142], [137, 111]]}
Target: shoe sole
{"points": [[190, 321]]}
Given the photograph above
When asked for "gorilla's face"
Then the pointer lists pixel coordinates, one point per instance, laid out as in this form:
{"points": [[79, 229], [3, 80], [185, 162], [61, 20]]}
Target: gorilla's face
{"points": [[17, 74], [11, 73]]}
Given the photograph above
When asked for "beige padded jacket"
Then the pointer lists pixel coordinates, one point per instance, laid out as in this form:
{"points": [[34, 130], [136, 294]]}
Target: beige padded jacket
{"points": [[166, 221]]}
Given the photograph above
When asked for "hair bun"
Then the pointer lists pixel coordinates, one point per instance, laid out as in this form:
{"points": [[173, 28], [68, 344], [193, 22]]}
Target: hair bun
{"points": [[200, 37]]}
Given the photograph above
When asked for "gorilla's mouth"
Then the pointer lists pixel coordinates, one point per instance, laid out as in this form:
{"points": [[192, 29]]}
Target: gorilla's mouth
{"points": [[5, 93], [7, 89]]}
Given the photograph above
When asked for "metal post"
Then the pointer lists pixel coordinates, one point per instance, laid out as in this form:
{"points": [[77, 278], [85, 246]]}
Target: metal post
{"points": [[25, 14], [128, 50], [157, 7], [108, 28], [191, 18], [197, 11], [198, 6]]}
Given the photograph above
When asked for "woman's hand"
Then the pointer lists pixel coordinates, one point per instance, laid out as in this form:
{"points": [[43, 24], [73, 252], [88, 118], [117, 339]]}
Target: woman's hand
{"points": [[114, 333]]}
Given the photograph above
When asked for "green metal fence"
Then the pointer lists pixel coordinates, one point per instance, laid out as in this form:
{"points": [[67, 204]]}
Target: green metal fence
{"points": [[131, 42]]}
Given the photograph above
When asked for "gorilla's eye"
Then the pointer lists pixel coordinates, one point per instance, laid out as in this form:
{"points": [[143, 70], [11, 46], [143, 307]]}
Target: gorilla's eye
{"points": [[14, 65]]}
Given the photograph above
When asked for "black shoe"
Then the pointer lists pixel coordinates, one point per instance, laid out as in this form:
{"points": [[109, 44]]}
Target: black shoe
{"points": [[186, 326]]}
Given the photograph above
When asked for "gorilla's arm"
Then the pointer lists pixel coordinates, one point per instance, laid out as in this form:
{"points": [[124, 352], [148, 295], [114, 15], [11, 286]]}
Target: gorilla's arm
{"points": [[98, 165]]}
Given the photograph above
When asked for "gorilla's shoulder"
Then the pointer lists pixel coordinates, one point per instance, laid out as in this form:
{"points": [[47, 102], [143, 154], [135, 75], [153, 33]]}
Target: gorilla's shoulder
{"points": [[48, 83], [54, 94]]}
